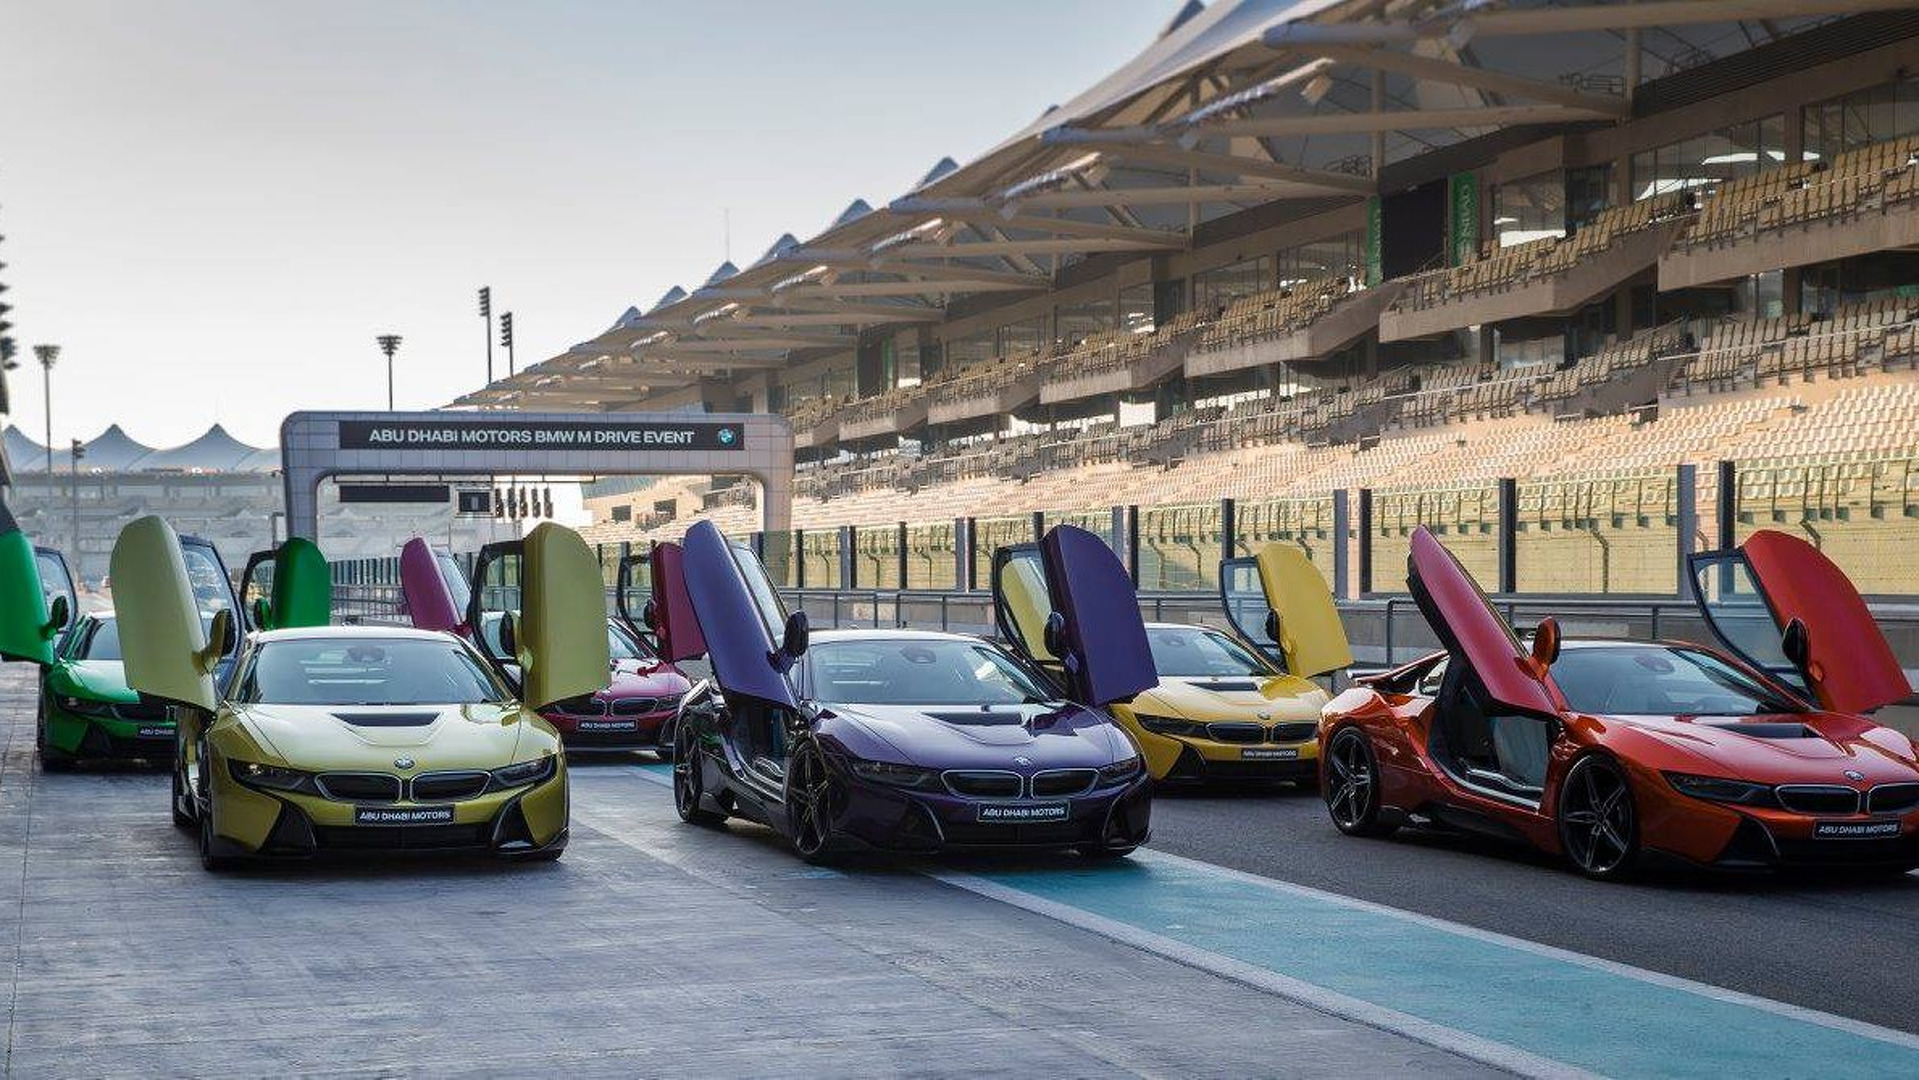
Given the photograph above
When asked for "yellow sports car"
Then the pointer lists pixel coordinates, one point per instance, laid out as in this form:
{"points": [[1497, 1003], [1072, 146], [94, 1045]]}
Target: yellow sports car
{"points": [[322, 738], [1238, 706]]}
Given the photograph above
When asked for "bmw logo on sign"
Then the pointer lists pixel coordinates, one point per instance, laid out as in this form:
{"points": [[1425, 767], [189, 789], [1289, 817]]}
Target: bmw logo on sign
{"points": [[729, 436]]}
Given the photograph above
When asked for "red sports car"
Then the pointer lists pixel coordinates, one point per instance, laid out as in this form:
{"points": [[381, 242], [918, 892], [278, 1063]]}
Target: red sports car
{"points": [[1609, 752]]}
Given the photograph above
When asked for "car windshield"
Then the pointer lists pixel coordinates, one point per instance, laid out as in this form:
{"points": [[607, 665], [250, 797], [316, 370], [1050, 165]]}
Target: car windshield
{"points": [[1192, 652], [624, 646], [1660, 680], [920, 671], [366, 671], [102, 641]]}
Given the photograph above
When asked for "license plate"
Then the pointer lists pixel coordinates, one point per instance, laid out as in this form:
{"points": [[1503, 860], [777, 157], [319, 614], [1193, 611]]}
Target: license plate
{"points": [[154, 733], [402, 815], [1854, 830], [607, 725], [1023, 813], [1269, 753]]}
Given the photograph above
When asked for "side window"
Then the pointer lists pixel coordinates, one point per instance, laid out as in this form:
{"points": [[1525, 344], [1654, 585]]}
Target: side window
{"points": [[1732, 601]]}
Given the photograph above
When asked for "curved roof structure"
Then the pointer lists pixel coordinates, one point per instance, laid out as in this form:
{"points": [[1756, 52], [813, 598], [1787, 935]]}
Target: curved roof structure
{"points": [[1242, 103], [114, 451]]}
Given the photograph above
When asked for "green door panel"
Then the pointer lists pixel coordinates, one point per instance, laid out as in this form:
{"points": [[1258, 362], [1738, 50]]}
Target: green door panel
{"points": [[23, 603], [299, 590], [562, 632], [161, 637]]}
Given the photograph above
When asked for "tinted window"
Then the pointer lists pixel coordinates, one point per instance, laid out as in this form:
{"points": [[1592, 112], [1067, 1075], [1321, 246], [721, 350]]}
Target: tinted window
{"points": [[919, 672], [102, 641], [1191, 652], [366, 671], [1659, 680], [211, 589]]}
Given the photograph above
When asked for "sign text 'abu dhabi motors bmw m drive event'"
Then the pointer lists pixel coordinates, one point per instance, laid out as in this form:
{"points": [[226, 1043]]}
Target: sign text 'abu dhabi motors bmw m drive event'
{"points": [[550, 434]]}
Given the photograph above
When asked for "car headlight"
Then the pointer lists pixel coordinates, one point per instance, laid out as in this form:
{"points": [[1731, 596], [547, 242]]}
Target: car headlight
{"points": [[71, 704], [1169, 725], [886, 772], [525, 772], [1719, 789], [1120, 770], [272, 777]]}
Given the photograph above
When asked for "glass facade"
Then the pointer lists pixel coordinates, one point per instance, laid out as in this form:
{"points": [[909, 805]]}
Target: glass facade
{"points": [[1136, 314], [1214, 289], [1335, 256], [1079, 321], [1530, 209], [1709, 159], [1863, 117], [1179, 547]]}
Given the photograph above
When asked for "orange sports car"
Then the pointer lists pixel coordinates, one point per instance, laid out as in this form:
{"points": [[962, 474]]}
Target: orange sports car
{"points": [[1610, 752]]}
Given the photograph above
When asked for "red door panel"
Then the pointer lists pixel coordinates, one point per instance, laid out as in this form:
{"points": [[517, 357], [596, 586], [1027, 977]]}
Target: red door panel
{"points": [[1466, 622]]}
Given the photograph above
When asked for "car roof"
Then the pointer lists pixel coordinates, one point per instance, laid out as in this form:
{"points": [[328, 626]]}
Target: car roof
{"points": [[822, 637], [350, 633]]}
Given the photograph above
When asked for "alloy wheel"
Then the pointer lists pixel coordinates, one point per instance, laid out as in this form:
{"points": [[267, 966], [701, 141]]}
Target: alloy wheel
{"points": [[1351, 787], [1597, 826], [810, 800], [686, 781]]}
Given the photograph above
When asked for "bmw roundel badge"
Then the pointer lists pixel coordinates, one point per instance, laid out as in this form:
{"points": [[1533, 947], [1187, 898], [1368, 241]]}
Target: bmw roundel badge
{"points": [[403, 763], [1855, 774]]}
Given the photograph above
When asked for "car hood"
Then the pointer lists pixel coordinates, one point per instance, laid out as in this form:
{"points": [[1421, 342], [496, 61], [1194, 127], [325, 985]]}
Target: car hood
{"points": [[1786, 748], [1048, 736], [318, 737], [642, 679], [1268, 699], [99, 680]]}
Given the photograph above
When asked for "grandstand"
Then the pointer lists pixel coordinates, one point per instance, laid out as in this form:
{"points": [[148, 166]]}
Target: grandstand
{"points": [[1408, 249], [215, 487]]}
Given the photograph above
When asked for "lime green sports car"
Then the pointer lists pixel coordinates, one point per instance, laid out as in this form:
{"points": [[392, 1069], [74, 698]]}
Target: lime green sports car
{"points": [[87, 710], [335, 738]]}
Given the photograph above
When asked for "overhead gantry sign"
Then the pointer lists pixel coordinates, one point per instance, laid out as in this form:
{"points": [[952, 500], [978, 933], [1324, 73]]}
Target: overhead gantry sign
{"points": [[319, 446]]}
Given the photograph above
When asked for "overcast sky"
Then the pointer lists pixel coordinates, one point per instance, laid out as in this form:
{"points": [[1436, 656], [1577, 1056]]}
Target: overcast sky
{"points": [[214, 207]]}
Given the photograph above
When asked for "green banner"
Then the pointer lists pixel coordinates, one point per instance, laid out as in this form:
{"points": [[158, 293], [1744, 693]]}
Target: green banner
{"points": [[1462, 198], [1375, 263]]}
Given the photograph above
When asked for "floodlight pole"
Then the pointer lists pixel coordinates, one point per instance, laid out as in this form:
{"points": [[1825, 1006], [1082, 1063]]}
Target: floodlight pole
{"points": [[389, 344], [79, 451], [47, 354]]}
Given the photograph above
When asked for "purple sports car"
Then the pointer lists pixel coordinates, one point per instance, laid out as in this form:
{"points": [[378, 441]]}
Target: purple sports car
{"points": [[905, 740]]}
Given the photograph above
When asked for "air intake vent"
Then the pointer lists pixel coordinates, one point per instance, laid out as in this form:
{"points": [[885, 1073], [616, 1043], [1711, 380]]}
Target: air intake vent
{"points": [[387, 719]]}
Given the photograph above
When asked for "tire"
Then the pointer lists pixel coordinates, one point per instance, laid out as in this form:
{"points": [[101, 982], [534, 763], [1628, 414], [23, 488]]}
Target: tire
{"points": [[181, 818], [1351, 786], [209, 859], [812, 794], [688, 795], [51, 760], [1598, 820]]}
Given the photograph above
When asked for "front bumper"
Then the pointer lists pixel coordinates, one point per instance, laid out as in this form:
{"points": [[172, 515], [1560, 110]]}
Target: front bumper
{"points": [[881, 817], [518, 821], [126, 732], [1729, 837], [652, 731], [1204, 759]]}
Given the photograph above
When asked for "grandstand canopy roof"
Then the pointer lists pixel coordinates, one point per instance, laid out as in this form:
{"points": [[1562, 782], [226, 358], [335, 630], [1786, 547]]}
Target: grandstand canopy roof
{"points": [[1236, 104], [114, 451]]}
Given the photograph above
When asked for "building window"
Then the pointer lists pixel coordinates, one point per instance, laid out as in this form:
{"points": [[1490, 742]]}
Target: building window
{"points": [[623, 512], [1136, 308], [1214, 289], [1335, 256], [1710, 159], [1530, 209], [1863, 117]]}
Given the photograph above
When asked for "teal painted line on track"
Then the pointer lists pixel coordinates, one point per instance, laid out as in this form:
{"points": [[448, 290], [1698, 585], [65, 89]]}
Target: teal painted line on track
{"points": [[1550, 1004]]}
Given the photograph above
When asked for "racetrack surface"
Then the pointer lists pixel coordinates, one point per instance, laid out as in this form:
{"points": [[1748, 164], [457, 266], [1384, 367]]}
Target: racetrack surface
{"points": [[1841, 944]]}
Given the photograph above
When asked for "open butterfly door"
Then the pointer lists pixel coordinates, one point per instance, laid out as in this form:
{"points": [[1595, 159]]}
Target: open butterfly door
{"points": [[1069, 606], [549, 600], [288, 586], [1751, 597], [164, 619], [666, 616], [1473, 632], [27, 626], [748, 634], [434, 588], [1279, 605]]}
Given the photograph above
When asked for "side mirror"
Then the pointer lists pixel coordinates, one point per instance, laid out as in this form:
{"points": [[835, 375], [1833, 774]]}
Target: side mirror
{"points": [[1796, 643], [1272, 625], [57, 615], [794, 641], [262, 613], [1546, 642], [1054, 635], [220, 637], [509, 638]]}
